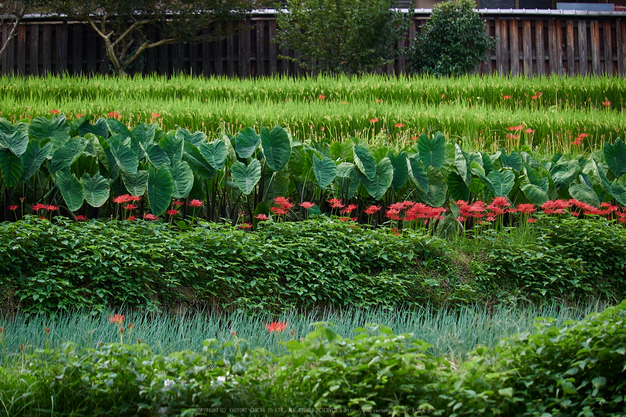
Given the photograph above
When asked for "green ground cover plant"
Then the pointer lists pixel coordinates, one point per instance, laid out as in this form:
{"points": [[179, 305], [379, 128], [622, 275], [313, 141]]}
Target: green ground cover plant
{"points": [[50, 268], [544, 371]]}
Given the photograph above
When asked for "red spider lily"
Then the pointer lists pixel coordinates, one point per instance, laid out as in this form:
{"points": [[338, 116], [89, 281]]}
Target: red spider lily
{"points": [[131, 218], [374, 120], [371, 210], [526, 208], [515, 128], [130, 207], [321, 97], [54, 111], [154, 115], [531, 220], [177, 203], [443, 96], [306, 204], [172, 212], [278, 211], [80, 114], [606, 103], [399, 125], [114, 115], [276, 326], [506, 97], [283, 203], [245, 226], [47, 330], [262, 217], [149, 216], [118, 318], [555, 206], [335, 203], [52, 208], [461, 219], [500, 202], [583, 135], [344, 219], [1, 331], [393, 214], [378, 100], [535, 97], [81, 218], [195, 203], [125, 198], [529, 131], [414, 138], [13, 208], [322, 128], [349, 208]]}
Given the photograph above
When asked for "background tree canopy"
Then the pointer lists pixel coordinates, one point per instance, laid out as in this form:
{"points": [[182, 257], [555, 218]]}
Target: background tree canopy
{"points": [[125, 25], [342, 36]]}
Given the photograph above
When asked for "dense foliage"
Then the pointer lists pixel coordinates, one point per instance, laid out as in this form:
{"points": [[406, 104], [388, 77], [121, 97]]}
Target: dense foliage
{"points": [[577, 369], [50, 267], [453, 41], [341, 36]]}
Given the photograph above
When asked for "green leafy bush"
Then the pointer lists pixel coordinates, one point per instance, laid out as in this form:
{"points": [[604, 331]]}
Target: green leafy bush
{"points": [[341, 36], [63, 265], [453, 41], [576, 370]]}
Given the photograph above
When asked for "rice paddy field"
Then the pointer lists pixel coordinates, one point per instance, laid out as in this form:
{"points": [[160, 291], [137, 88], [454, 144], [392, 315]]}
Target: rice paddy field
{"points": [[476, 112]]}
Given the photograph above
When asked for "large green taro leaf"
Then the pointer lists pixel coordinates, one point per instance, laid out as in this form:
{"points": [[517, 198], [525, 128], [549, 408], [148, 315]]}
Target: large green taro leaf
{"points": [[276, 147], [160, 189], [96, 189], [325, 171], [246, 177]]}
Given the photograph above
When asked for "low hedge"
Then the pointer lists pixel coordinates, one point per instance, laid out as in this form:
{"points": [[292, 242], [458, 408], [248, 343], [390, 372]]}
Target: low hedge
{"points": [[322, 262], [576, 370]]}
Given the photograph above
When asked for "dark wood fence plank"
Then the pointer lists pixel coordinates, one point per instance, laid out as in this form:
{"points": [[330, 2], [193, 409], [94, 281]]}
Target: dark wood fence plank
{"points": [[46, 52], [10, 54], [90, 52], [33, 59], [554, 69], [21, 49], [273, 48], [486, 64], [558, 28], [77, 49], [583, 54], [595, 48], [608, 48], [260, 47], [541, 54], [514, 41], [620, 35], [62, 37], [571, 60], [528, 48], [230, 51], [163, 59], [5, 34]]}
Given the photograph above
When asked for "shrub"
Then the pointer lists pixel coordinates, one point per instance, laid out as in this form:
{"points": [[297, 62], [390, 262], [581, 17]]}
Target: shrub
{"points": [[453, 41], [341, 36]]}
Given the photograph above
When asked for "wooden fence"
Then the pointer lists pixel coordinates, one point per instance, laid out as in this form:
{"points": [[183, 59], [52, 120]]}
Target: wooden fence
{"points": [[529, 43]]}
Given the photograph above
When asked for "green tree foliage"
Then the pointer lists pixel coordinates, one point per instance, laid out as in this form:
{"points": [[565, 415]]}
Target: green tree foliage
{"points": [[341, 36], [129, 27], [453, 41]]}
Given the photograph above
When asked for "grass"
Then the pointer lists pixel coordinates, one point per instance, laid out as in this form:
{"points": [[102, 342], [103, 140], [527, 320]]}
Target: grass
{"points": [[453, 333], [471, 110]]}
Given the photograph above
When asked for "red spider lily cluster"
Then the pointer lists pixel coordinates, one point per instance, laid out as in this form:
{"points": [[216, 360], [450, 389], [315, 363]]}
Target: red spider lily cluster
{"points": [[371, 210], [283, 205], [81, 218], [195, 203], [335, 203], [409, 211], [516, 128], [262, 217], [307, 205], [13, 207], [46, 207], [536, 96], [480, 210], [275, 326], [580, 138], [148, 216], [349, 208], [114, 115], [126, 198], [576, 208]]}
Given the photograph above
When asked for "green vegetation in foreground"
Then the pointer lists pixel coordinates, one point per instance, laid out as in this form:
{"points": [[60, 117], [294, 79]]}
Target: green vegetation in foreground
{"points": [[453, 333], [577, 369], [475, 111], [49, 267]]}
